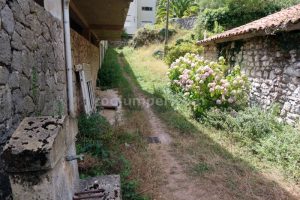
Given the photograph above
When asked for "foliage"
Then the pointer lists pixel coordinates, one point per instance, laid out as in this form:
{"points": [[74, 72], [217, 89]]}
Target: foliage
{"points": [[179, 50], [233, 13], [93, 127], [125, 35], [208, 84], [109, 75], [178, 9], [260, 131], [98, 139]]}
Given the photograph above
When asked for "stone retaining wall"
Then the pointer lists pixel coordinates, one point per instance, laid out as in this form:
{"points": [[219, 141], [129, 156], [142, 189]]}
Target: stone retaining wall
{"points": [[273, 66], [32, 67], [185, 23]]}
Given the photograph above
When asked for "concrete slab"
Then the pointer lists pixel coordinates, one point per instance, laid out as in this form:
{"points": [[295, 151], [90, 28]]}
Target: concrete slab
{"points": [[110, 103], [36, 144]]}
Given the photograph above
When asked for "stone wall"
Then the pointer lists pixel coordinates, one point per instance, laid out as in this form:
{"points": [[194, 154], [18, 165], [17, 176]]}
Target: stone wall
{"points": [[32, 67], [273, 66], [84, 52], [185, 23]]}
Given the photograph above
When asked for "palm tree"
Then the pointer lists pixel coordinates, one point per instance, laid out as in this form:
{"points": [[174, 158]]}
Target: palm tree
{"points": [[178, 9]]}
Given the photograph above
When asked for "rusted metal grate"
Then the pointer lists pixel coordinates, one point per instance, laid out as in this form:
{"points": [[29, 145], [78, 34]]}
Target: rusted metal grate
{"points": [[91, 194], [100, 188]]}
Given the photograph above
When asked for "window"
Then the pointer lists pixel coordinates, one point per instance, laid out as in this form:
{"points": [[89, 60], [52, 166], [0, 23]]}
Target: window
{"points": [[147, 8]]}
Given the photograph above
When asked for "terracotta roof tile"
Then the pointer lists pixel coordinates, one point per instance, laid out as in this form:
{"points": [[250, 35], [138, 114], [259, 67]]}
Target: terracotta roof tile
{"points": [[268, 25]]}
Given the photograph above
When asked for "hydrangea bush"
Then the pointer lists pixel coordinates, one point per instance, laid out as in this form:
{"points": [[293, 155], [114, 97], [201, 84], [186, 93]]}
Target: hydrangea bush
{"points": [[208, 84]]}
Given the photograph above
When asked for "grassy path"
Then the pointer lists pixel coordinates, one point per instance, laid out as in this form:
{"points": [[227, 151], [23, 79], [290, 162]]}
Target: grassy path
{"points": [[197, 162], [177, 185]]}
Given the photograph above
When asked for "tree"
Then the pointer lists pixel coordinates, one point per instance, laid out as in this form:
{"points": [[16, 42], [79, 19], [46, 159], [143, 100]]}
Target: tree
{"points": [[178, 9]]}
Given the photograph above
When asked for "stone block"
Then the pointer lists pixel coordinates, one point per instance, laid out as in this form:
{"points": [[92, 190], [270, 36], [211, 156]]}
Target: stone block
{"points": [[17, 99], [14, 80], [36, 145], [35, 159], [4, 74], [34, 24], [29, 39], [17, 12], [25, 85], [24, 6], [2, 3], [5, 48], [17, 61], [5, 103], [19, 28], [8, 22], [16, 42], [28, 105]]}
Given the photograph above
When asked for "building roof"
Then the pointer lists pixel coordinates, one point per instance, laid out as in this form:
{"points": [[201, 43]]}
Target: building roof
{"points": [[285, 20], [104, 18]]}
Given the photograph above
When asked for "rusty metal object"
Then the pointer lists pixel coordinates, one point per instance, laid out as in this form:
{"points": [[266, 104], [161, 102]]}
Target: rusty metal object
{"points": [[92, 194]]}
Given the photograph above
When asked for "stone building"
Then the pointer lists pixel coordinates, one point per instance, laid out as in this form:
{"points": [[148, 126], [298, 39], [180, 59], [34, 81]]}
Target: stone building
{"points": [[41, 42], [268, 51]]}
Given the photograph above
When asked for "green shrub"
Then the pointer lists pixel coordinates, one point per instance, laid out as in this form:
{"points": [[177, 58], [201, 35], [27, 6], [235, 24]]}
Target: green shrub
{"points": [[208, 84], [235, 13], [250, 125], [93, 127], [180, 49], [262, 134], [283, 148]]}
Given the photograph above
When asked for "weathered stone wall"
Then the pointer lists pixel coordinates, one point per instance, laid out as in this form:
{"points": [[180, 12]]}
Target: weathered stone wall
{"points": [[273, 66], [185, 23], [32, 67], [84, 52]]}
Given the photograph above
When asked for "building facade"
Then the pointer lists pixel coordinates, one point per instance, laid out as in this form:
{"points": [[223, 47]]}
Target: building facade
{"points": [[141, 12], [41, 44]]}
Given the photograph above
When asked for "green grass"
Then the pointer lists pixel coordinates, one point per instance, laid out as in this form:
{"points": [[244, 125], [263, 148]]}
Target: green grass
{"points": [[110, 73], [103, 144], [201, 168], [210, 146]]}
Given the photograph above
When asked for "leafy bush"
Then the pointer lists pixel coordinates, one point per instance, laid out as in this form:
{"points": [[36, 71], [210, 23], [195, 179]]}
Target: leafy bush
{"points": [[283, 148], [260, 131], [94, 126], [235, 13], [252, 123], [180, 49], [208, 84]]}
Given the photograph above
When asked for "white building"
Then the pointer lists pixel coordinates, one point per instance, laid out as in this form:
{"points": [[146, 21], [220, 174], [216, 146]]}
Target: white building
{"points": [[140, 13]]}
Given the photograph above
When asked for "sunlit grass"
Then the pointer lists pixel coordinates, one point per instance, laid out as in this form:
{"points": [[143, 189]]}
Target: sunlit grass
{"points": [[203, 149]]}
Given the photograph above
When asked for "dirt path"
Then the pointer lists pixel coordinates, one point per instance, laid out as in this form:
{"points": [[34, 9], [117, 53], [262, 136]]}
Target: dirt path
{"points": [[177, 184]]}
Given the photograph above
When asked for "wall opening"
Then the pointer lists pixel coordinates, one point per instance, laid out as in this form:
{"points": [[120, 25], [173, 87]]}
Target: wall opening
{"points": [[147, 8], [40, 2]]}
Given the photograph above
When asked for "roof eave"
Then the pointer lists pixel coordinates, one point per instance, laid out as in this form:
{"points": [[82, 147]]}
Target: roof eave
{"points": [[288, 28]]}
